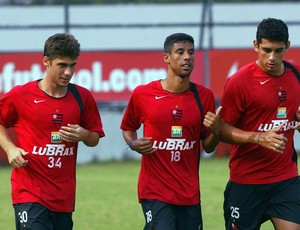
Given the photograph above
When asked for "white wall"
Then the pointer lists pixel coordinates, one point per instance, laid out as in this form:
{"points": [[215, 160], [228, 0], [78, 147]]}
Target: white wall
{"points": [[110, 147], [113, 38]]}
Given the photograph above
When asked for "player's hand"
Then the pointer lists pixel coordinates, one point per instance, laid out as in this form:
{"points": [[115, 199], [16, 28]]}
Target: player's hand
{"points": [[273, 141], [297, 126], [212, 121], [16, 159], [73, 133], [142, 145], [298, 114]]}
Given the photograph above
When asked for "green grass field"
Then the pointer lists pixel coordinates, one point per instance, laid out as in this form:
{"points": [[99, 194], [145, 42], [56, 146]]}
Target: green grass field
{"points": [[107, 199]]}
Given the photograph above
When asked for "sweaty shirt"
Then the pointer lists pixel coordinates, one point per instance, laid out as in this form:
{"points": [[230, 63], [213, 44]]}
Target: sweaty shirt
{"points": [[49, 178], [256, 101], [171, 174]]}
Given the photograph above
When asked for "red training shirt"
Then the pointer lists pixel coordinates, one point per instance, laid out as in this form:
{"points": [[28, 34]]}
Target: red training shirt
{"points": [[171, 174], [256, 101], [50, 176]]}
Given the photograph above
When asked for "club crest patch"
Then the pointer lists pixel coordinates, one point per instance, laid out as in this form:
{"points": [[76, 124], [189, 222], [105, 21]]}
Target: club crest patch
{"points": [[57, 119], [176, 114], [281, 95]]}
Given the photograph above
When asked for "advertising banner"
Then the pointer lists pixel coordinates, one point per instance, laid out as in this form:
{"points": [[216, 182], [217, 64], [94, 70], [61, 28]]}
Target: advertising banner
{"points": [[110, 76], [224, 63]]}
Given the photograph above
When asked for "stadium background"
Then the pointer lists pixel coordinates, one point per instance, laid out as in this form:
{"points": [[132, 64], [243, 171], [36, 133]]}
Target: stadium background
{"points": [[122, 48]]}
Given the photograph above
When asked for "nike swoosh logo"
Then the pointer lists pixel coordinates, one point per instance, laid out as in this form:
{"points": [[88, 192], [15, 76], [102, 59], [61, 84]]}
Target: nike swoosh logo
{"points": [[38, 101], [159, 97], [263, 82]]}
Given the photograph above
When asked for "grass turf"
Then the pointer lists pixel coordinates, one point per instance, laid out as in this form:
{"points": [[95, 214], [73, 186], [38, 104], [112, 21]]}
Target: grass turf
{"points": [[107, 199]]}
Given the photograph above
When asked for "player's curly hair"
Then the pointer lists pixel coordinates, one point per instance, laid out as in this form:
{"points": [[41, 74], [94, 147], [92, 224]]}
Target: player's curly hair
{"points": [[175, 38], [272, 29], [62, 45]]}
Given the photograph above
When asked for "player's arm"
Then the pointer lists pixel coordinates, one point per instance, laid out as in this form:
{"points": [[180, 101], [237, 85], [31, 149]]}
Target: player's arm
{"points": [[14, 154], [269, 140], [210, 143], [141, 145], [91, 139], [212, 122]]}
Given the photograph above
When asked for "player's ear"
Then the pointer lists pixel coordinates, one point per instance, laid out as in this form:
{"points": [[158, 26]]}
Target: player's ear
{"points": [[166, 58], [288, 44], [46, 61], [256, 45]]}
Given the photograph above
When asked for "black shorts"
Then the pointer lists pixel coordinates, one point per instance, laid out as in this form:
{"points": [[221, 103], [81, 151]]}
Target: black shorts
{"points": [[161, 215], [35, 216], [247, 206]]}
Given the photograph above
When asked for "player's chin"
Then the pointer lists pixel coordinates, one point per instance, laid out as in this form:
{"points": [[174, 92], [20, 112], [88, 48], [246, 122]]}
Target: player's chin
{"points": [[184, 75], [64, 83], [64, 79]]}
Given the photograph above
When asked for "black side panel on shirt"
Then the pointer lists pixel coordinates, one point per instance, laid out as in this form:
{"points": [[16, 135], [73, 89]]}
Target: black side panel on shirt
{"points": [[76, 94], [290, 66], [196, 94], [295, 71], [193, 88]]}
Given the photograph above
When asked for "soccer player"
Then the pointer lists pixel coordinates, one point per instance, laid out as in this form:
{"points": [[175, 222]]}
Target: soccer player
{"points": [[50, 116], [260, 109], [172, 114]]}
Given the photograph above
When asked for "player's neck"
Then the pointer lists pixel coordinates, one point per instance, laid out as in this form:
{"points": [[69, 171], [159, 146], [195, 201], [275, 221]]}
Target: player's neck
{"points": [[175, 85], [52, 89]]}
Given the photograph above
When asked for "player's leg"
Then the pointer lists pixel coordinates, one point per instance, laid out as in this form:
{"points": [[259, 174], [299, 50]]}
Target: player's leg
{"points": [[244, 206], [188, 217], [158, 215], [284, 225], [63, 220], [32, 216], [284, 205]]}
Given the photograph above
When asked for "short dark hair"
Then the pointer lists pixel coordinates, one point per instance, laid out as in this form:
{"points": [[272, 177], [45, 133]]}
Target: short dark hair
{"points": [[61, 45], [175, 38], [272, 29]]}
